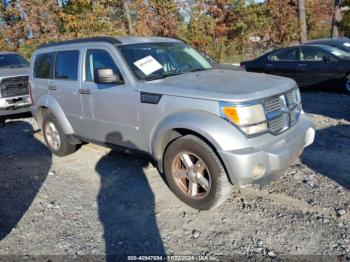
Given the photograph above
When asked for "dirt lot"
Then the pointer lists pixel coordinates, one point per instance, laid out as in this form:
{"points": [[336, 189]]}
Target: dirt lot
{"points": [[97, 202]]}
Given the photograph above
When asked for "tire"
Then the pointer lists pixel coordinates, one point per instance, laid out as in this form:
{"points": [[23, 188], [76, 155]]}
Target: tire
{"points": [[346, 85], [212, 185], [57, 142]]}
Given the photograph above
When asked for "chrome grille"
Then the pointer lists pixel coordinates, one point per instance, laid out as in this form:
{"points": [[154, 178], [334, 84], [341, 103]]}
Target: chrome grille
{"points": [[292, 97], [282, 111], [273, 104], [279, 124], [14, 86]]}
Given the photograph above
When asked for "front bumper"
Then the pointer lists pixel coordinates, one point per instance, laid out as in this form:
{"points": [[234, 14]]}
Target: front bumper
{"points": [[14, 105], [265, 160]]}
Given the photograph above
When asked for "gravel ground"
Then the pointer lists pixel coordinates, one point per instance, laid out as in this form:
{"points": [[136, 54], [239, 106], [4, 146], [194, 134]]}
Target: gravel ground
{"points": [[98, 202]]}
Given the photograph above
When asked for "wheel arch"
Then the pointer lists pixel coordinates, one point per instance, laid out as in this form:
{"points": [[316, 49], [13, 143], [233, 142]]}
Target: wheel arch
{"points": [[49, 103], [216, 132]]}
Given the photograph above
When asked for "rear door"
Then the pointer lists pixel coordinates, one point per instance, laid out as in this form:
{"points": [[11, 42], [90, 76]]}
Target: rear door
{"points": [[42, 72], [64, 86], [282, 62], [312, 69]]}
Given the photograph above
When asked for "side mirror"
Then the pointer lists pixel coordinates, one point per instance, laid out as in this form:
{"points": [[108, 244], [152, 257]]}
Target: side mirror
{"points": [[106, 76]]}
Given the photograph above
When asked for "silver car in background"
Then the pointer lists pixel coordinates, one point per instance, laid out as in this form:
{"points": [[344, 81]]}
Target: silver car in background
{"points": [[205, 128], [14, 96]]}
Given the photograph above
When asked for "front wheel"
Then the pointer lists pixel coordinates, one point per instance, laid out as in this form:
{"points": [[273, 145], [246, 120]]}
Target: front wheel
{"points": [[57, 142], [195, 174], [346, 85]]}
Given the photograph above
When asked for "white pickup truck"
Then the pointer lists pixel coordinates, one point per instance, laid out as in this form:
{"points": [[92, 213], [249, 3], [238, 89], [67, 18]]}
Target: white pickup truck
{"points": [[14, 94]]}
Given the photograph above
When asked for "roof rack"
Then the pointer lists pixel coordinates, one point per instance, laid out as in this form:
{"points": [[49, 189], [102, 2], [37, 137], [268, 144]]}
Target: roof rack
{"points": [[107, 39]]}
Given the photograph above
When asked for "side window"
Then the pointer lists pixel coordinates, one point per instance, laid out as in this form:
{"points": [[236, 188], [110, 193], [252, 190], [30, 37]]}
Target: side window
{"points": [[312, 54], [284, 55], [43, 66], [98, 59], [66, 65]]}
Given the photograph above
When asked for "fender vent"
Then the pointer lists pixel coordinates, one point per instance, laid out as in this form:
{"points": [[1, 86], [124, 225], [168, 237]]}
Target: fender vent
{"points": [[149, 98]]}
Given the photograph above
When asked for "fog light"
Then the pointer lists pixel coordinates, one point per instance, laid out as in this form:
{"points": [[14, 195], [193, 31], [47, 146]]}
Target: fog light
{"points": [[258, 171], [310, 136]]}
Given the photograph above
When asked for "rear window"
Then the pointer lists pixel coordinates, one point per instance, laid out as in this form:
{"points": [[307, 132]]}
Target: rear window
{"points": [[66, 65], [43, 65]]}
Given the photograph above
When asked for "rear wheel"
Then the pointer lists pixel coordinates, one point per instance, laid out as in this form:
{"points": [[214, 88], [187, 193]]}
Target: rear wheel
{"points": [[57, 142], [195, 174]]}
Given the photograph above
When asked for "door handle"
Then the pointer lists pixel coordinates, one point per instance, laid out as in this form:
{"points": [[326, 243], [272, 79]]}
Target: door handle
{"points": [[302, 65], [52, 87], [269, 65], [85, 91]]}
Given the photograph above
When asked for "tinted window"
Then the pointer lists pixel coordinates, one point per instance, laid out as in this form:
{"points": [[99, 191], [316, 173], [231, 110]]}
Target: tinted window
{"points": [[284, 54], [43, 66], [312, 54], [66, 66], [13, 61], [337, 52], [98, 59]]}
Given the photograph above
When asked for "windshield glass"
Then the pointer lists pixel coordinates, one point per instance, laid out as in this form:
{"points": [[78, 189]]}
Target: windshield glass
{"points": [[13, 61], [151, 61], [337, 52]]}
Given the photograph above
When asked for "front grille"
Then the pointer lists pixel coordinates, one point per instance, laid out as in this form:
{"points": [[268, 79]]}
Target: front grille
{"points": [[14, 86], [273, 104], [279, 124], [282, 111]]}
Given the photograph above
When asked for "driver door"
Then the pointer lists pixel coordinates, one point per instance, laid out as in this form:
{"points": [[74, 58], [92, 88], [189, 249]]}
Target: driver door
{"points": [[312, 69], [109, 110]]}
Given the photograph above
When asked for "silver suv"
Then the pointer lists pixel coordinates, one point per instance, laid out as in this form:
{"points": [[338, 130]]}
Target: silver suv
{"points": [[205, 128], [14, 96]]}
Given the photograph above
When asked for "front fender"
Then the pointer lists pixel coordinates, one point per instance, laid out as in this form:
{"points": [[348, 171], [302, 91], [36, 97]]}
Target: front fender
{"points": [[55, 108], [221, 134]]}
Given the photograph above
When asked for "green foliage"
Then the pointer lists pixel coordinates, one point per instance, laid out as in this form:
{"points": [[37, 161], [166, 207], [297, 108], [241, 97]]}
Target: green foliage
{"points": [[227, 30], [345, 23]]}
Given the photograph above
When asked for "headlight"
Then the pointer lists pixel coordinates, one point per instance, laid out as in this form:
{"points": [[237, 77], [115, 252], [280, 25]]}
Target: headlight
{"points": [[250, 119]]}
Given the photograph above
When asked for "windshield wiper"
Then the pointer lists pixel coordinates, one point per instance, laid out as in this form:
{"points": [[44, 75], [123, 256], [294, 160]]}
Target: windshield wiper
{"points": [[162, 76], [11, 66], [199, 69]]}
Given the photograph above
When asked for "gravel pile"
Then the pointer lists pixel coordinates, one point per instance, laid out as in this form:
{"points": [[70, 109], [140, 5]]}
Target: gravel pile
{"points": [[98, 202]]}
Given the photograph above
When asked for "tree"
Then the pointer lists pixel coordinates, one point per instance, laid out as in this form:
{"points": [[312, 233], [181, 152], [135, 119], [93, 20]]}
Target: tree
{"points": [[318, 17], [344, 25], [199, 32], [336, 18], [82, 18], [157, 17], [302, 20], [283, 25], [128, 16], [13, 31]]}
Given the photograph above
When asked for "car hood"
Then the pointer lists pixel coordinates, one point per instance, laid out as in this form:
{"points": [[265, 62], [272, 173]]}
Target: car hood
{"points": [[11, 72], [220, 85]]}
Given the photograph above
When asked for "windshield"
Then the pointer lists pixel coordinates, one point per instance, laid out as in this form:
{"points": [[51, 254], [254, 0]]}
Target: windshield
{"points": [[337, 52], [13, 61], [159, 60]]}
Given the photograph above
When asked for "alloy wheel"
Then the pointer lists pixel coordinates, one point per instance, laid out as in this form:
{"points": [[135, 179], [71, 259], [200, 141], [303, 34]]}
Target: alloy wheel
{"points": [[191, 175], [52, 136]]}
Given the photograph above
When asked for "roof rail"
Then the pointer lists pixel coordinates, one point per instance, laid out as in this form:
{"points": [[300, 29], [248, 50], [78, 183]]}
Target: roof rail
{"points": [[107, 39]]}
